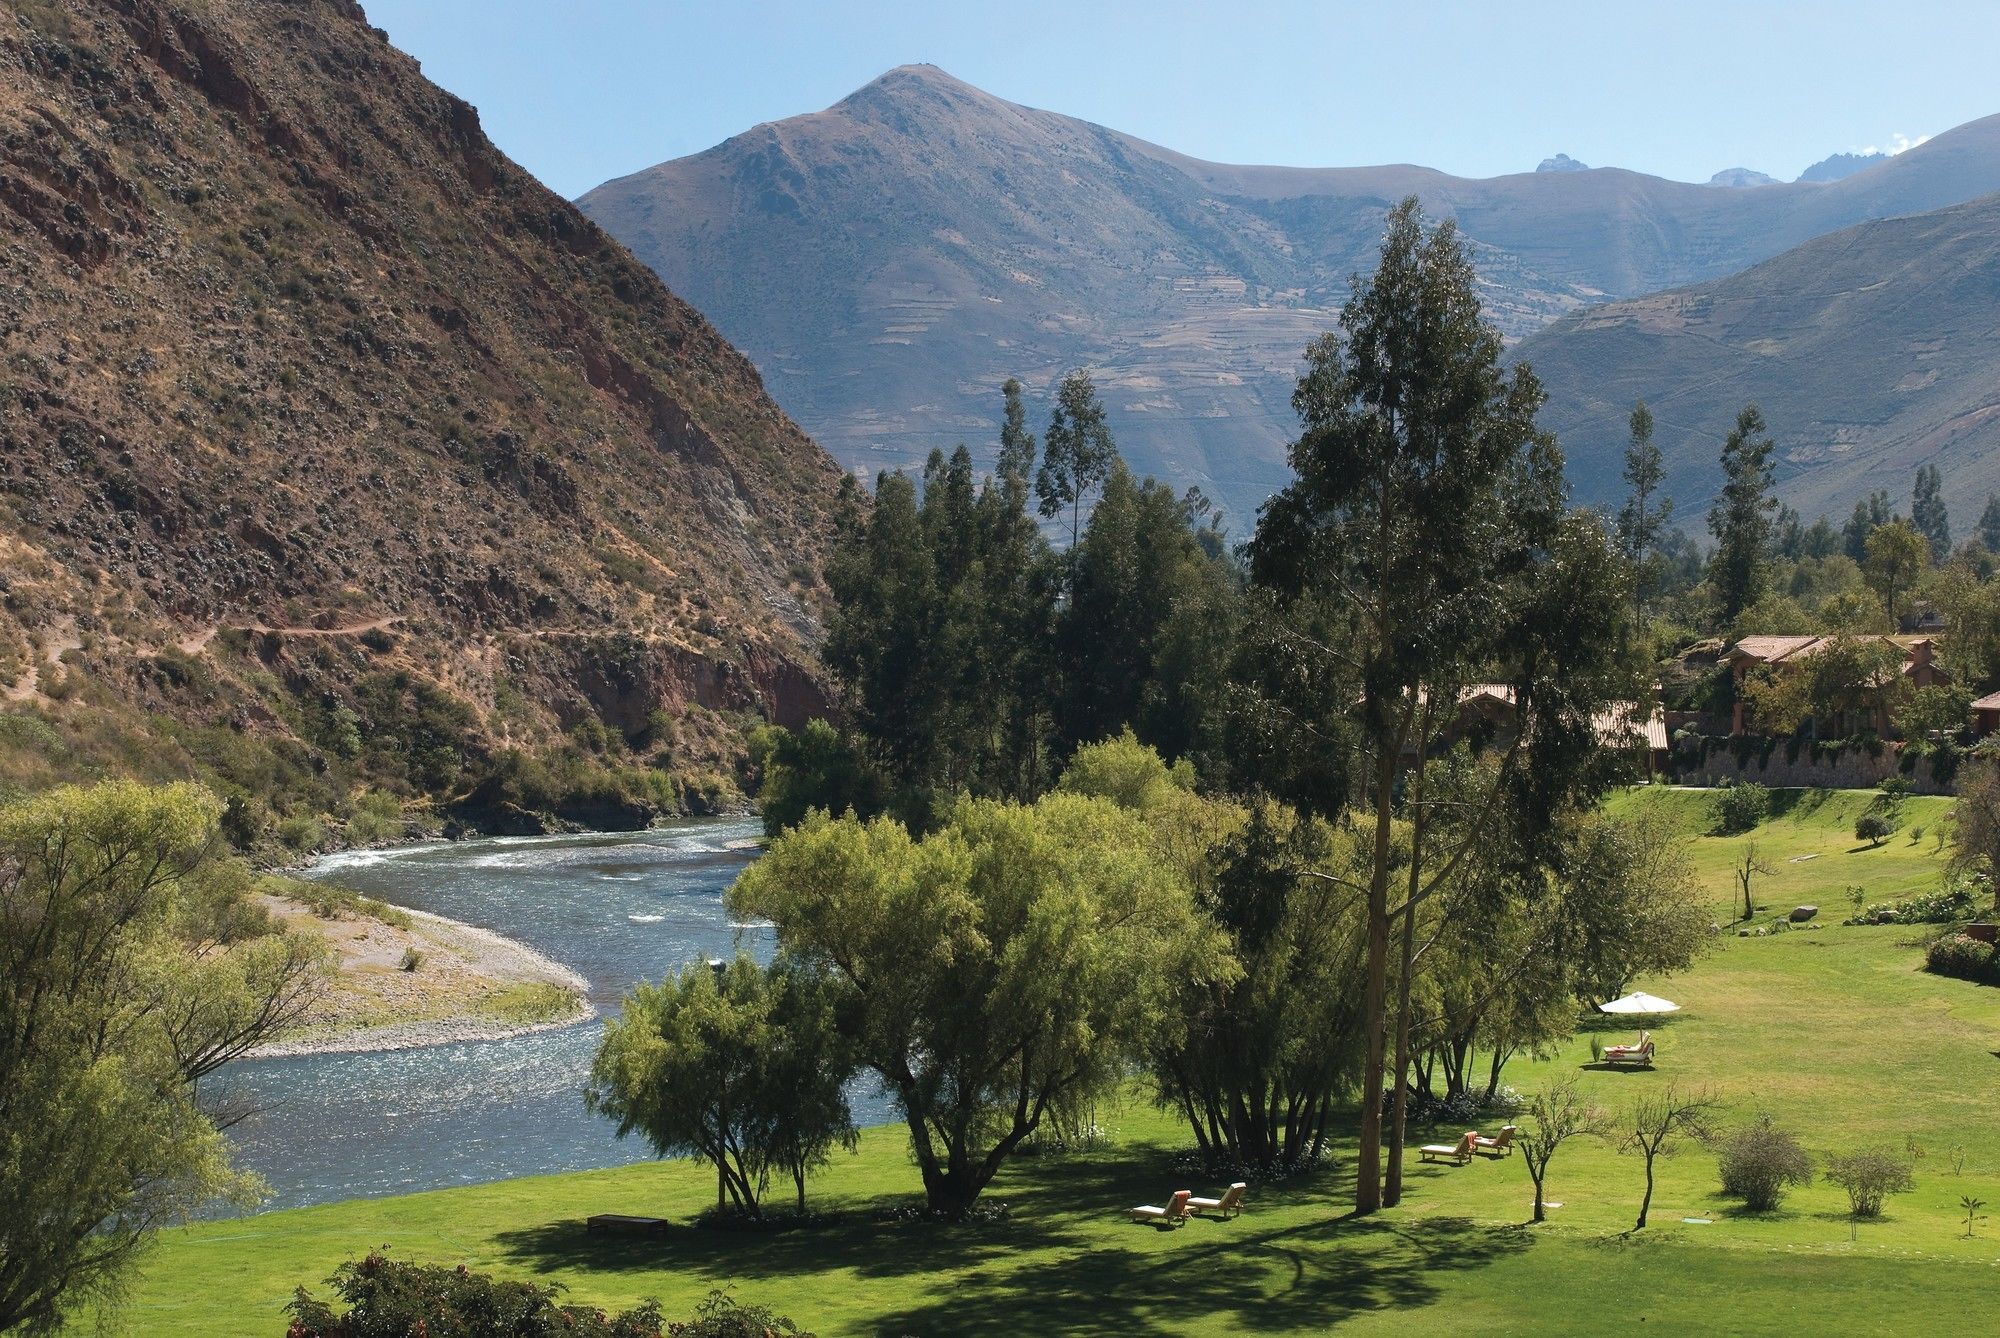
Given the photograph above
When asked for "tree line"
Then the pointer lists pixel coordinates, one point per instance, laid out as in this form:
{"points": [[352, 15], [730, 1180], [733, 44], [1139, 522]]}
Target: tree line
{"points": [[1147, 804]]}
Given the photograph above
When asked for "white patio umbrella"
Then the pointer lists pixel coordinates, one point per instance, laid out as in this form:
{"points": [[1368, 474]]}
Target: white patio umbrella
{"points": [[1640, 1002]]}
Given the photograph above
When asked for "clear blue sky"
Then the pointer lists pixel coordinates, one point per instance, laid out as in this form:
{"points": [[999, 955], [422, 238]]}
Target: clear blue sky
{"points": [[583, 90]]}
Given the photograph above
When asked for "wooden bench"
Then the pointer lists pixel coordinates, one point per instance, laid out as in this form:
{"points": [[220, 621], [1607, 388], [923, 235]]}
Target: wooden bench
{"points": [[626, 1224]]}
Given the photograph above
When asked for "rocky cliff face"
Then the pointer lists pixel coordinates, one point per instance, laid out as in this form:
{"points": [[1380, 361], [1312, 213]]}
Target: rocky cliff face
{"points": [[291, 349]]}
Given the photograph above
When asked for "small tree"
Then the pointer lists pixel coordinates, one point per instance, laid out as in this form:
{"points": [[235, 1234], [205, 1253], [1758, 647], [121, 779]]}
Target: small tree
{"points": [[1740, 520], [1897, 555], [1557, 1114], [1759, 1162], [1657, 1124], [1748, 868], [1869, 1176], [1737, 808], [742, 1068], [1077, 452], [1006, 967]]}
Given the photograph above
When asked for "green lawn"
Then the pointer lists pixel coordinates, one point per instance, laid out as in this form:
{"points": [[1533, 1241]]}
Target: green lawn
{"points": [[1833, 1031]]}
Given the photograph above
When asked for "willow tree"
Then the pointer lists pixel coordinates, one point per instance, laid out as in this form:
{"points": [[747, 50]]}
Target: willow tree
{"points": [[132, 962], [996, 974], [1425, 543]]}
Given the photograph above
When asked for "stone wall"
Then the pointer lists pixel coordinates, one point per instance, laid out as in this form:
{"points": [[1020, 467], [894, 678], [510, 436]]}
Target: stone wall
{"points": [[1851, 769]]}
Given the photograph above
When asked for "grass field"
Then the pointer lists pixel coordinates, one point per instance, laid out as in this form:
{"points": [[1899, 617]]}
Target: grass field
{"points": [[1833, 1031]]}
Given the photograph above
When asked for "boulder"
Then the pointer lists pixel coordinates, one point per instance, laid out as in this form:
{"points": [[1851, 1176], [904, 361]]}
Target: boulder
{"points": [[1801, 914]]}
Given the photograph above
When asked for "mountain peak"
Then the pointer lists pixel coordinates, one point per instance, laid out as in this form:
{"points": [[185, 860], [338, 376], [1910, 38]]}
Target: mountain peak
{"points": [[1742, 176], [1562, 162], [1842, 165]]}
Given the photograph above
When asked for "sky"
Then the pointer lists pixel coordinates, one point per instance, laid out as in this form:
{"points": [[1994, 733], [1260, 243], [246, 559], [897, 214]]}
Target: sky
{"points": [[580, 91]]}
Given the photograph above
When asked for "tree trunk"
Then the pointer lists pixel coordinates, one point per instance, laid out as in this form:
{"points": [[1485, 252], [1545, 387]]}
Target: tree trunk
{"points": [[1375, 996], [1646, 1203], [1392, 1190]]}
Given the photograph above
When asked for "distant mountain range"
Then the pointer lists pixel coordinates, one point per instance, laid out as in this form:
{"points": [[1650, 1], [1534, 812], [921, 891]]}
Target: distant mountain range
{"points": [[1871, 351], [888, 262]]}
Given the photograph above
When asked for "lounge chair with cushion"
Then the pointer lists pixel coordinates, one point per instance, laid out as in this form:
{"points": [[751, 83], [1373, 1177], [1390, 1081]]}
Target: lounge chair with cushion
{"points": [[1502, 1146], [1230, 1204], [1641, 1053], [1175, 1213], [1460, 1152]]}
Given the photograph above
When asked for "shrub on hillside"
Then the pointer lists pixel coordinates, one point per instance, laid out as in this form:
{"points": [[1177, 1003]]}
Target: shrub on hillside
{"points": [[1760, 1162], [1738, 808], [1869, 1176], [1963, 958], [1874, 828]]}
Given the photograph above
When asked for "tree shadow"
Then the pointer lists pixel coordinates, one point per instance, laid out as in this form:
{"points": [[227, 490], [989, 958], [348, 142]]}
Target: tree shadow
{"points": [[1309, 1276]]}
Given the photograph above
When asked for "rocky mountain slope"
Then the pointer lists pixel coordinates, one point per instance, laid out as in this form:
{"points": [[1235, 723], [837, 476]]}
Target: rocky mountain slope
{"points": [[1872, 351], [889, 261], [311, 394]]}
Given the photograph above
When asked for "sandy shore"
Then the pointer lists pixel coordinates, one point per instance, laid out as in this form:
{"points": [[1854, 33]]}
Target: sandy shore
{"points": [[469, 984]]}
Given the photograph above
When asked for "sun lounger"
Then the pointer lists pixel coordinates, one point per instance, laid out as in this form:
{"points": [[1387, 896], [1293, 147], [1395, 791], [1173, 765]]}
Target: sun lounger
{"points": [[1502, 1146], [1175, 1213], [1230, 1204], [1642, 1053], [1460, 1152]]}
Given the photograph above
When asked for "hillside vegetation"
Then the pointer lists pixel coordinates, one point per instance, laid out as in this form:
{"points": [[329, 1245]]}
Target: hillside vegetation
{"points": [[340, 453]]}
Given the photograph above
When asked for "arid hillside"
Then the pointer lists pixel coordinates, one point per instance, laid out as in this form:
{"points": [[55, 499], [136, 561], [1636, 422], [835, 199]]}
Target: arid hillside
{"points": [[332, 436]]}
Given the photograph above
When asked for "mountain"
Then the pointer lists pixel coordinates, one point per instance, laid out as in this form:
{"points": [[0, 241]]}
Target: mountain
{"points": [[1841, 165], [890, 261], [1871, 351], [319, 409], [1741, 177], [1562, 162]]}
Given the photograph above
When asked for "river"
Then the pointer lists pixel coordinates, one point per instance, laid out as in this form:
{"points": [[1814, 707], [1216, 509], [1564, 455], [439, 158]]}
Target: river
{"points": [[617, 908]]}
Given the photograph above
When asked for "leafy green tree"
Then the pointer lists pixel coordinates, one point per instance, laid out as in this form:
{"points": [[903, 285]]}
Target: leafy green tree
{"points": [[1897, 554], [1740, 520], [814, 766], [1265, 1056], [743, 1068], [132, 962], [994, 973], [1424, 540], [1869, 512], [1077, 451], [1928, 513], [1017, 443], [1989, 523], [1975, 828], [1641, 521], [1133, 574]]}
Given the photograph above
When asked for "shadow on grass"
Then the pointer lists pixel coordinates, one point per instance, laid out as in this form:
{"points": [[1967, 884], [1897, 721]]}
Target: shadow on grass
{"points": [[1067, 1261], [1309, 1277]]}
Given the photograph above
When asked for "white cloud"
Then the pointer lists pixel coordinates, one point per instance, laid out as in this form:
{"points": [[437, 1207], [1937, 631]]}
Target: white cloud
{"points": [[1898, 143]]}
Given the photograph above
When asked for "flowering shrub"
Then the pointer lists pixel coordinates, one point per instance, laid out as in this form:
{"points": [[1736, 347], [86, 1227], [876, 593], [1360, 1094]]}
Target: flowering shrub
{"points": [[1950, 904]]}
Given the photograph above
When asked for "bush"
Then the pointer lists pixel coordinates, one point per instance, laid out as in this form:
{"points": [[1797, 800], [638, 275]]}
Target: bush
{"points": [[1739, 807], [302, 833], [1951, 904], [386, 1298], [720, 1316], [1760, 1162], [1869, 1176], [1963, 958], [412, 959], [1874, 828]]}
